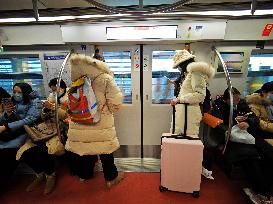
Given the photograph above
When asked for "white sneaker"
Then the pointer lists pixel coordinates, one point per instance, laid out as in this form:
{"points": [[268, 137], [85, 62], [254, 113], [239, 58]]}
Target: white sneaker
{"points": [[207, 173], [256, 198]]}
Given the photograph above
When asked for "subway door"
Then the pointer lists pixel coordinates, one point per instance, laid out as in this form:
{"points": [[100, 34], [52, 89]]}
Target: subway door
{"points": [[158, 91], [121, 61]]}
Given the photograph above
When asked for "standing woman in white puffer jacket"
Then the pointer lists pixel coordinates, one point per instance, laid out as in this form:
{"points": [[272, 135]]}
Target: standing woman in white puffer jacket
{"points": [[194, 77]]}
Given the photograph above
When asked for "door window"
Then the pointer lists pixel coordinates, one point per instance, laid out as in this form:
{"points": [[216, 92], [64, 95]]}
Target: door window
{"points": [[120, 64], [162, 89]]}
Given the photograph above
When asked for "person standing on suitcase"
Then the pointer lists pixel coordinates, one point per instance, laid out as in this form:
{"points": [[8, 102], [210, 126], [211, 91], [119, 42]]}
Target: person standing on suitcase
{"points": [[193, 90], [194, 76]]}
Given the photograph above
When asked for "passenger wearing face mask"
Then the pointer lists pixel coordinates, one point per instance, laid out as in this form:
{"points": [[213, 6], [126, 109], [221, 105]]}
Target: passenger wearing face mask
{"points": [[62, 95], [261, 104], [24, 108], [40, 156], [194, 78]]}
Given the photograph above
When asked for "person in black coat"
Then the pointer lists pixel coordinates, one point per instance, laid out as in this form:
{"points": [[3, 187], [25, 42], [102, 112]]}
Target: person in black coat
{"points": [[246, 154]]}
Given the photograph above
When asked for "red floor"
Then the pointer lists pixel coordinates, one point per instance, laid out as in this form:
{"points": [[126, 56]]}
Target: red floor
{"points": [[136, 188]]}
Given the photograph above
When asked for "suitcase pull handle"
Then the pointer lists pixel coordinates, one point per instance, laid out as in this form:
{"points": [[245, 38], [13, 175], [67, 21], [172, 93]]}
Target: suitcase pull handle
{"points": [[181, 136], [186, 118]]}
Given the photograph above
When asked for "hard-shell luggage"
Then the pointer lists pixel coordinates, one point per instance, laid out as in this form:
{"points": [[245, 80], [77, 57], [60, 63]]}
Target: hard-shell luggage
{"points": [[181, 161]]}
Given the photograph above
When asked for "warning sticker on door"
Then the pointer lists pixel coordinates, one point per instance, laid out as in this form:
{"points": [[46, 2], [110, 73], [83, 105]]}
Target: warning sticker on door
{"points": [[267, 29]]}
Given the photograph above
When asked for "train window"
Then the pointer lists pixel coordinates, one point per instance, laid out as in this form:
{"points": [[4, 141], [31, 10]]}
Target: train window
{"points": [[260, 70], [120, 64], [162, 90], [21, 68], [233, 60]]}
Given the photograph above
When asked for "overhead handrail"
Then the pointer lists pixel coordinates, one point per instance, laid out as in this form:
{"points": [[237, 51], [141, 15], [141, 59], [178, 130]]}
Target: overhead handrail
{"points": [[58, 88], [230, 121]]}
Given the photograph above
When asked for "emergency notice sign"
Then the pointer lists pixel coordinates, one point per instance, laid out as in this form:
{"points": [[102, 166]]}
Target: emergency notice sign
{"points": [[267, 29]]}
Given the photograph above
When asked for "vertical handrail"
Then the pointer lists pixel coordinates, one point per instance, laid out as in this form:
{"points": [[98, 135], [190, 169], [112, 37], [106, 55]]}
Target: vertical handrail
{"points": [[230, 121], [58, 88]]}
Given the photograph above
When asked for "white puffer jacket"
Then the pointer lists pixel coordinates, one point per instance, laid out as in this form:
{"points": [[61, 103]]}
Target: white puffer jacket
{"points": [[99, 138], [193, 92]]}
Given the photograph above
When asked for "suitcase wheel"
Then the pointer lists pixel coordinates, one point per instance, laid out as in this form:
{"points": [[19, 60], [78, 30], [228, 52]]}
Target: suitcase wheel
{"points": [[162, 189], [195, 194]]}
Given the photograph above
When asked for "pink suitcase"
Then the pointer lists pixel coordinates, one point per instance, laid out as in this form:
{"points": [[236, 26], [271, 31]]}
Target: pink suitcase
{"points": [[181, 163]]}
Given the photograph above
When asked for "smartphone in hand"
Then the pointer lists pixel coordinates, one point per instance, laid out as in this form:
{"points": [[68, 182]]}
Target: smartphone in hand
{"points": [[8, 105]]}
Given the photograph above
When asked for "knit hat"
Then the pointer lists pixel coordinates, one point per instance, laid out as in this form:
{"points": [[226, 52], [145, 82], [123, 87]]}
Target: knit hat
{"points": [[181, 56], [267, 87]]}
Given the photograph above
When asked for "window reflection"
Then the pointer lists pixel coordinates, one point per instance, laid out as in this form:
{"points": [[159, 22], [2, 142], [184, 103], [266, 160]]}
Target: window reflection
{"points": [[260, 70], [120, 64], [162, 91], [21, 68]]}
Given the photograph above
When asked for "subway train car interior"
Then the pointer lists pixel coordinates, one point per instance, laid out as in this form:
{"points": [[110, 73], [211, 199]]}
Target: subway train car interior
{"points": [[141, 101]]}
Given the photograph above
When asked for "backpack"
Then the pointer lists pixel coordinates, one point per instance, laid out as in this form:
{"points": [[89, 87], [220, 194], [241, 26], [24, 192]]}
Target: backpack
{"points": [[82, 103]]}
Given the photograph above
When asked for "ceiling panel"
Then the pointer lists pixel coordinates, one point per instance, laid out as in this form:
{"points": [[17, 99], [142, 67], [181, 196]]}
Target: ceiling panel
{"points": [[42, 4], [55, 8]]}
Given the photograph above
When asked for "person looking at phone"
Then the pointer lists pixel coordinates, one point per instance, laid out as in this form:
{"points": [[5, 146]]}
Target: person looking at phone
{"points": [[24, 107], [61, 94], [262, 105], [247, 155]]}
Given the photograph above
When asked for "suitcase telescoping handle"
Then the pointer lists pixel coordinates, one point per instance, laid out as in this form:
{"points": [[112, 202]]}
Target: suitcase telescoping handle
{"points": [[184, 134], [185, 121]]}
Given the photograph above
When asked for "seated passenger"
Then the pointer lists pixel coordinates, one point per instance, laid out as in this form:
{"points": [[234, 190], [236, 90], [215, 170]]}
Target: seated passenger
{"points": [[62, 104], [262, 105], [62, 95], [24, 108], [38, 156], [245, 154]]}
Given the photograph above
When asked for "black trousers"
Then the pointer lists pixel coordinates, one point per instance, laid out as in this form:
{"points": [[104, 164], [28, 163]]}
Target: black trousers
{"points": [[208, 157], [83, 166], [259, 175], [39, 160], [8, 165], [264, 148]]}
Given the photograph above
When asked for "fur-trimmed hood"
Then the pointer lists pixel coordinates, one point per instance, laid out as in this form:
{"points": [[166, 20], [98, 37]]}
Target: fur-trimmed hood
{"points": [[256, 98], [202, 67], [85, 65]]}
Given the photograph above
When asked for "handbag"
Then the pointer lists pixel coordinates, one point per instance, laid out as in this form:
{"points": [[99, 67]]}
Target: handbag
{"points": [[211, 120], [42, 131], [241, 136]]}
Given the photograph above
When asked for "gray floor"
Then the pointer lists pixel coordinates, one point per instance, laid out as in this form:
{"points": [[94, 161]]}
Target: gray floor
{"points": [[133, 164]]}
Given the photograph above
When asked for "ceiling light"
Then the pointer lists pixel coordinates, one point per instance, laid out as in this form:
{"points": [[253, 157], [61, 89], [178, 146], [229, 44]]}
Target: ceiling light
{"points": [[220, 13], [56, 18]]}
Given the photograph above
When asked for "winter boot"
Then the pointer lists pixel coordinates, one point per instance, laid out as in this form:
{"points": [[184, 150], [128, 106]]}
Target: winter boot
{"points": [[50, 183], [36, 182], [115, 181]]}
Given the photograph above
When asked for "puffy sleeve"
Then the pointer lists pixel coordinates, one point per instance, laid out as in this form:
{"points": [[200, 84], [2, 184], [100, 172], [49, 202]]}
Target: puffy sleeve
{"points": [[113, 95], [198, 83], [264, 125], [33, 114]]}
